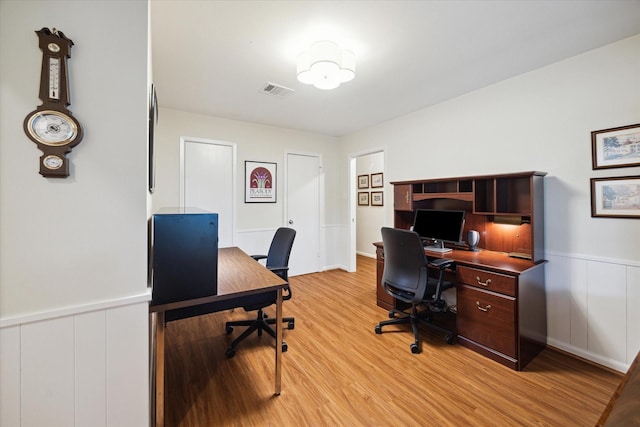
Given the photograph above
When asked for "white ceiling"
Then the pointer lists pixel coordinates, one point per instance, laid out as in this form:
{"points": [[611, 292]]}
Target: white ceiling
{"points": [[214, 57]]}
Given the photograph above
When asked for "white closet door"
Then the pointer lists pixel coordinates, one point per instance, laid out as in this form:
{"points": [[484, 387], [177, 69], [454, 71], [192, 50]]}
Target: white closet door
{"points": [[303, 212], [208, 182]]}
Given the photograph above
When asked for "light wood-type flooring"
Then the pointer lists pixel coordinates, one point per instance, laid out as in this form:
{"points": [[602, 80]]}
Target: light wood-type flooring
{"points": [[338, 372]]}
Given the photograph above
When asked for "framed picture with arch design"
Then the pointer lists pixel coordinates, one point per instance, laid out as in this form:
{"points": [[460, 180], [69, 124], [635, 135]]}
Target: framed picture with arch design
{"points": [[260, 182]]}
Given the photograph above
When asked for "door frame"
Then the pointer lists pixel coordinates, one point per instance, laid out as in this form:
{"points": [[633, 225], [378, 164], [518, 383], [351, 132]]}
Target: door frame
{"points": [[353, 193], [234, 175], [321, 215]]}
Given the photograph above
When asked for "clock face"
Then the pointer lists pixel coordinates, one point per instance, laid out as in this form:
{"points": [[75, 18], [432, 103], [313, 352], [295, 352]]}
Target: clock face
{"points": [[52, 128], [52, 162]]}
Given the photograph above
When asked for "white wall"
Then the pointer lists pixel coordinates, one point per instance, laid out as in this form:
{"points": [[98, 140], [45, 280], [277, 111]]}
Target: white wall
{"points": [[254, 222], [73, 251], [369, 219], [542, 121]]}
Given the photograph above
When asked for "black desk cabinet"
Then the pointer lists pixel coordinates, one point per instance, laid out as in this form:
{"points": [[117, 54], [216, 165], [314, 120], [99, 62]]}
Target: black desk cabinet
{"points": [[184, 255]]}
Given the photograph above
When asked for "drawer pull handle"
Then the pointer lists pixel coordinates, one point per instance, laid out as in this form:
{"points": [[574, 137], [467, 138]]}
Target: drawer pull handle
{"points": [[485, 309], [481, 283]]}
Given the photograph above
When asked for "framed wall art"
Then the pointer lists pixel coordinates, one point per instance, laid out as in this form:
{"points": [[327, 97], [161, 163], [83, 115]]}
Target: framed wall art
{"points": [[377, 180], [363, 198], [615, 197], [377, 198], [260, 182], [153, 121], [363, 181], [616, 147]]}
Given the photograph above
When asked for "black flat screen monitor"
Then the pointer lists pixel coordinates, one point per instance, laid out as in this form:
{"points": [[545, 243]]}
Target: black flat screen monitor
{"points": [[439, 225]]}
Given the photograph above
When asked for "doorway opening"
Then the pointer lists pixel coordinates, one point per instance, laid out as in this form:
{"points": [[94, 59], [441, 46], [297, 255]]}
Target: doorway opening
{"points": [[366, 215]]}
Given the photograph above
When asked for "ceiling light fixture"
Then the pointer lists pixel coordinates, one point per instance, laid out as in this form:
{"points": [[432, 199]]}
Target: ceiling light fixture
{"points": [[325, 65]]}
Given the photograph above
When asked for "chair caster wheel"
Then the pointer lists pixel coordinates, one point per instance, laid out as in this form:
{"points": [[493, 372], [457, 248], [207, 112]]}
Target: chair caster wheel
{"points": [[285, 347], [392, 314], [378, 329], [230, 352], [228, 330], [291, 325], [449, 339], [415, 349]]}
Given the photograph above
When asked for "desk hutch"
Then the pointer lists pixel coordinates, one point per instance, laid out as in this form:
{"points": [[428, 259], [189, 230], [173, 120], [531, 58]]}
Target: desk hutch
{"points": [[501, 308]]}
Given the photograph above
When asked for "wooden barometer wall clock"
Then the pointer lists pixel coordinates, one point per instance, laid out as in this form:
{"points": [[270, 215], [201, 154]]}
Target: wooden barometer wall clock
{"points": [[52, 126]]}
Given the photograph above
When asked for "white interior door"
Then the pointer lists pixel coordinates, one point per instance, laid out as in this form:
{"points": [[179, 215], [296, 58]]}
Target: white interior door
{"points": [[208, 182], [303, 212]]}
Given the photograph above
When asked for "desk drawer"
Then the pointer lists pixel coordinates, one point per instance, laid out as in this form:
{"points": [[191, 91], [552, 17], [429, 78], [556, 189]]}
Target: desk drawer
{"points": [[488, 319], [487, 280]]}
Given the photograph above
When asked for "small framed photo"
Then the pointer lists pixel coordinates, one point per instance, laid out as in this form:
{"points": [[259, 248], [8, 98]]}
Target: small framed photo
{"points": [[376, 180], [363, 181], [616, 147], [363, 198], [615, 197], [259, 182], [377, 198]]}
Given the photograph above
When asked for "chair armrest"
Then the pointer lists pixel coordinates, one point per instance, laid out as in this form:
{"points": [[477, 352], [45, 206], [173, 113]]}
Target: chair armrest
{"points": [[283, 273], [279, 270], [442, 263], [258, 257]]}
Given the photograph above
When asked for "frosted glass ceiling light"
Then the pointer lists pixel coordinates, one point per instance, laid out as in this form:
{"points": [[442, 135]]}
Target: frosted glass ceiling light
{"points": [[326, 66]]}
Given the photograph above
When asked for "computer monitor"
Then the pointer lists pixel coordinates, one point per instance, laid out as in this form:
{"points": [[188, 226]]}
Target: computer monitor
{"points": [[440, 226]]}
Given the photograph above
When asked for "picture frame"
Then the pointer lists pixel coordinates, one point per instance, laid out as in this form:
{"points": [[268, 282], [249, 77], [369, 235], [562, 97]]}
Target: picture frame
{"points": [[363, 198], [260, 182], [377, 198], [377, 180], [153, 121], [616, 147], [363, 181], [617, 197]]}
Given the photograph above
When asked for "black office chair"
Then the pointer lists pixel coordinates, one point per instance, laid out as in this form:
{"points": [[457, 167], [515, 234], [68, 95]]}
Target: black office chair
{"points": [[406, 279], [277, 260]]}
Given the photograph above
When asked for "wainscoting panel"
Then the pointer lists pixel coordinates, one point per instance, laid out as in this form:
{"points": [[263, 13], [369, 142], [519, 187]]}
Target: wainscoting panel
{"points": [[591, 308], [332, 239], [336, 246], [127, 367], [633, 312], [607, 315], [90, 375], [10, 376], [47, 360], [82, 366]]}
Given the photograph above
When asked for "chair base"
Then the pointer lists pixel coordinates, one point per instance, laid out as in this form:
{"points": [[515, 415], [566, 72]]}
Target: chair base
{"points": [[261, 323], [415, 318]]}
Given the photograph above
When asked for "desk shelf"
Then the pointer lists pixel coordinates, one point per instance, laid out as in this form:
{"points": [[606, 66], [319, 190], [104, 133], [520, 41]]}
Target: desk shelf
{"points": [[515, 198]]}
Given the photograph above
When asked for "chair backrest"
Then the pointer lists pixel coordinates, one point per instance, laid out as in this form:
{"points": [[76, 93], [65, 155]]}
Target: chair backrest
{"points": [[405, 265], [280, 249]]}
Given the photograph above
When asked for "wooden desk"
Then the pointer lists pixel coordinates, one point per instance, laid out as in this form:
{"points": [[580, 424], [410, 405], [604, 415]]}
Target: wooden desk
{"points": [[501, 303], [238, 275]]}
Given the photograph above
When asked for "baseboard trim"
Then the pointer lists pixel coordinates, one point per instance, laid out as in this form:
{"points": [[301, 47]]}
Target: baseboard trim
{"points": [[588, 357]]}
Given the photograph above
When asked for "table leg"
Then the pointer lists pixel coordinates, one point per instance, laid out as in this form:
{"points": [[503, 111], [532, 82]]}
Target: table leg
{"points": [[159, 370], [279, 342]]}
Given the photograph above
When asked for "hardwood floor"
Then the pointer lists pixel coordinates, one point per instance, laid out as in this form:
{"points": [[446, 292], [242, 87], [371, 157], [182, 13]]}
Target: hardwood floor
{"points": [[338, 372]]}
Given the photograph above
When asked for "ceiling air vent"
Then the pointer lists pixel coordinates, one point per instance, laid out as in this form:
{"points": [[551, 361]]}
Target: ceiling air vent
{"points": [[276, 90]]}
